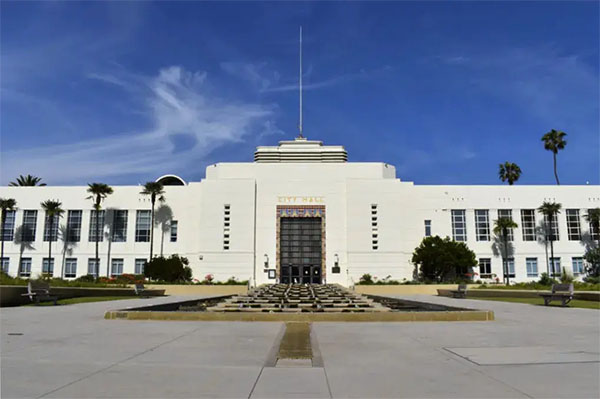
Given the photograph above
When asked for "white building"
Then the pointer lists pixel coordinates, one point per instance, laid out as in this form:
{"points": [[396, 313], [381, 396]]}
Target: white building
{"points": [[299, 212]]}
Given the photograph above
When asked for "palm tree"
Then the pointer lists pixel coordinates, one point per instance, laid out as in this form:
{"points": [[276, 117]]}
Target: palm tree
{"points": [[53, 210], [28, 180], [98, 191], [549, 210], [502, 227], [509, 171], [155, 191], [593, 218], [554, 141], [6, 204]]}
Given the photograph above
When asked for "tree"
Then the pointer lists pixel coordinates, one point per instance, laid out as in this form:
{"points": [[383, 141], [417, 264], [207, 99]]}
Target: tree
{"points": [[98, 191], [443, 259], [502, 227], [510, 172], [53, 211], [593, 218], [29, 180], [6, 204], [554, 141], [173, 268], [550, 210], [155, 191], [592, 258]]}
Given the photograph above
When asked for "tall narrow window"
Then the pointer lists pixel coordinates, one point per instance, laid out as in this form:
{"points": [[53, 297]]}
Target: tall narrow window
{"points": [[139, 266], [551, 228], [428, 228], [120, 226], [507, 214], [92, 231], [226, 226], [532, 267], [51, 235], [374, 228], [5, 264], [528, 224], [459, 226], [485, 267], [9, 225], [74, 226], [555, 269], [573, 225], [594, 234], [48, 266], [116, 267], [482, 225], [577, 266], [142, 226], [70, 267], [25, 267], [510, 266], [29, 226], [173, 230], [93, 267]]}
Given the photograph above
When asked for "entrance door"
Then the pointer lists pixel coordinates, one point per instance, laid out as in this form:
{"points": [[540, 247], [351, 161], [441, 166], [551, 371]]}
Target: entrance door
{"points": [[300, 250]]}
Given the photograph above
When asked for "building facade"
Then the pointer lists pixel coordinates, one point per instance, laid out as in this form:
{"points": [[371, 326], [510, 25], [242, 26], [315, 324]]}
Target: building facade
{"points": [[299, 213]]}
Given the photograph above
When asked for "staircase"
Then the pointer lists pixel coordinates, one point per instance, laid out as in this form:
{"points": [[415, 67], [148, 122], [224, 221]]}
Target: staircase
{"points": [[296, 298]]}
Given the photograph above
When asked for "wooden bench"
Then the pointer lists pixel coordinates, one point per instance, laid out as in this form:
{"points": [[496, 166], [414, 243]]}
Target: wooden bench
{"points": [[461, 292], [38, 291], [140, 290], [560, 292]]}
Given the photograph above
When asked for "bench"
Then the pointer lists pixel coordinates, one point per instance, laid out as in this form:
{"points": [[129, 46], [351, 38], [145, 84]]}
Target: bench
{"points": [[560, 292], [39, 291], [461, 292], [140, 290]]}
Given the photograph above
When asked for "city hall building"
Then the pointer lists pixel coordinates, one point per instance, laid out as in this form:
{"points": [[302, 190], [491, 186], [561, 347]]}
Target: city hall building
{"points": [[299, 213]]}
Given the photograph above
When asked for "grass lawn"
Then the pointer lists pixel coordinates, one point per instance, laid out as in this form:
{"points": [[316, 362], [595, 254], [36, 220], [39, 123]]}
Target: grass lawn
{"points": [[575, 303], [85, 299]]}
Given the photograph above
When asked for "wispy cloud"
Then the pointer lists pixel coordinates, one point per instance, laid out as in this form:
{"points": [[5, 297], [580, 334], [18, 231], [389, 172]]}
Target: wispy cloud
{"points": [[180, 108]]}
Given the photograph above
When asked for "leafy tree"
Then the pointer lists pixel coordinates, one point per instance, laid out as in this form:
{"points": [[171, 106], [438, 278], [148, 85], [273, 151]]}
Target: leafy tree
{"points": [[6, 204], [554, 141], [443, 259], [98, 192], [593, 218], [510, 172], [28, 180], [53, 211], [592, 257], [502, 227], [173, 268], [155, 191], [550, 210]]}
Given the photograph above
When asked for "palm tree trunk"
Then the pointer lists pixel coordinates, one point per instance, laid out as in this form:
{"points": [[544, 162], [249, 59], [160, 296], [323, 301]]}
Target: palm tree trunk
{"points": [[50, 244], [555, 173], [550, 219], [2, 236], [152, 230], [97, 261], [505, 236]]}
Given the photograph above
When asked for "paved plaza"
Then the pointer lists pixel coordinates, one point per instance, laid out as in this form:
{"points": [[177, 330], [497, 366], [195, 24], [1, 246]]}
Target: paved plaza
{"points": [[72, 352]]}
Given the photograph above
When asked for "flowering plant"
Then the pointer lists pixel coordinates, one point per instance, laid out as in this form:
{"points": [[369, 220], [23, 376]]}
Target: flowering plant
{"points": [[209, 278]]}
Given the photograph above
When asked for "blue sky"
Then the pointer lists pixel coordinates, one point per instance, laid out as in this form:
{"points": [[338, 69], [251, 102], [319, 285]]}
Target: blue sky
{"points": [[124, 92]]}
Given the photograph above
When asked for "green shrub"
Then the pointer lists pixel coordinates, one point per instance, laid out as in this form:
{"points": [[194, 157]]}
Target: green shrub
{"points": [[171, 269], [546, 280], [565, 277], [366, 279]]}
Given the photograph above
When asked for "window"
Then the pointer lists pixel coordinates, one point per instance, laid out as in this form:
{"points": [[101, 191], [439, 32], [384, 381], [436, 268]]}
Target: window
{"points": [[555, 269], [29, 223], [25, 267], [594, 235], [482, 225], [510, 266], [119, 226], [48, 266], [70, 267], [485, 267], [374, 230], [577, 266], [528, 224], [507, 214], [139, 266], [5, 264], [93, 267], [428, 228], [573, 225], [116, 267], [459, 227], [142, 226], [532, 270], [173, 230], [9, 225], [92, 232], [552, 228], [51, 235], [226, 228], [74, 226]]}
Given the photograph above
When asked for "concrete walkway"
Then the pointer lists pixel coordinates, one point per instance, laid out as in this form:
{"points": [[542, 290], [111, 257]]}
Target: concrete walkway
{"points": [[71, 351]]}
